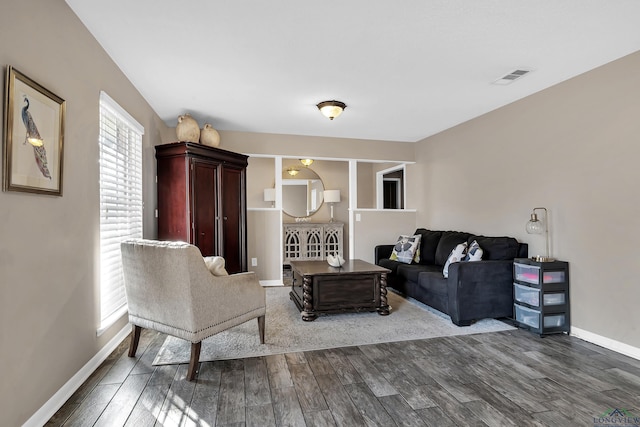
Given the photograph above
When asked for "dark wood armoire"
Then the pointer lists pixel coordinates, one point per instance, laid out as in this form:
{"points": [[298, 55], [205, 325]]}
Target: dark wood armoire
{"points": [[202, 200]]}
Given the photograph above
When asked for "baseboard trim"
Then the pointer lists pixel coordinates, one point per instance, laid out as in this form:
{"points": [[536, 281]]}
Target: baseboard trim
{"points": [[44, 414], [607, 343], [271, 283]]}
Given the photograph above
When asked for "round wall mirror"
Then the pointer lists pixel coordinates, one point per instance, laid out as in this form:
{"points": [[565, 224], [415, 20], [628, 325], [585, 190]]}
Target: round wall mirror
{"points": [[302, 192]]}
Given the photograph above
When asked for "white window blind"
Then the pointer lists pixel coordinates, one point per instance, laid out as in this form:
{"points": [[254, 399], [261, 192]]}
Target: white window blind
{"points": [[120, 143]]}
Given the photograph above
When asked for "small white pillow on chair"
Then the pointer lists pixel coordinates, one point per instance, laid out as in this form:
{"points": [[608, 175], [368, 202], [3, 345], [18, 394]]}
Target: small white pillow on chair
{"points": [[215, 264]]}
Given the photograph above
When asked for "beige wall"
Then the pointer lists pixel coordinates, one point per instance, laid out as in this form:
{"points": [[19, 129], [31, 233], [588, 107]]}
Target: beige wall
{"points": [[263, 223], [380, 228], [574, 149], [366, 186], [313, 147], [263, 241], [260, 175], [49, 245]]}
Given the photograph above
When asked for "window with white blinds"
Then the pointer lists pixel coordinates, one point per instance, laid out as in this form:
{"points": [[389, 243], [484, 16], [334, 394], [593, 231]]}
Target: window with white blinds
{"points": [[120, 143]]}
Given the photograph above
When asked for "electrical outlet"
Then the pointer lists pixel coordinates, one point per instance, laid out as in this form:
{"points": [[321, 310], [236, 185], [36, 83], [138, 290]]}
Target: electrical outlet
{"points": [[358, 217], [254, 262]]}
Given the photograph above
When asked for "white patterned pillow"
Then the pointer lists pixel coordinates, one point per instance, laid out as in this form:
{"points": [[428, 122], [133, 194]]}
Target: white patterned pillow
{"points": [[215, 264], [456, 255], [474, 253], [405, 248]]}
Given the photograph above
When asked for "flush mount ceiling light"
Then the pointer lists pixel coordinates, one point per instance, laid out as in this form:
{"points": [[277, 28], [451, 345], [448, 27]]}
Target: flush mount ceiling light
{"points": [[306, 162], [331, 109], [293, 171]]}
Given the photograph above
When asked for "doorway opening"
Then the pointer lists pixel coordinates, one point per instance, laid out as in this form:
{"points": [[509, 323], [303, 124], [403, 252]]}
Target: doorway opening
{"points": [[390, 188]]}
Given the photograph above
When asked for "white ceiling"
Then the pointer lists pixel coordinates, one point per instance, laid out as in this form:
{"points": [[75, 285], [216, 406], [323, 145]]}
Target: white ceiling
{"points": [[406, 69]]}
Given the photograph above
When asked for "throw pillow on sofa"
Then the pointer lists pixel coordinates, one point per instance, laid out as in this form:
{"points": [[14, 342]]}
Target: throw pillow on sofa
{"points": [[474, 253], [405, 248], [457, 254], [448, 241]]}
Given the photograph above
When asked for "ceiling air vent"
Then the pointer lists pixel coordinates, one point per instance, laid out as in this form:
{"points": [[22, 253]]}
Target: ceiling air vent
{"points": [[511, 77]]}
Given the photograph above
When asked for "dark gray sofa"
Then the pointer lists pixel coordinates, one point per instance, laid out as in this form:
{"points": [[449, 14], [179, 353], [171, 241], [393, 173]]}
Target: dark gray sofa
{"points": [[473, 290]]}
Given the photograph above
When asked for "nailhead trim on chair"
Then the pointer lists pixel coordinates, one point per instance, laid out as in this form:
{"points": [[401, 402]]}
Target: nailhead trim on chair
{"points": [[200, 330]]}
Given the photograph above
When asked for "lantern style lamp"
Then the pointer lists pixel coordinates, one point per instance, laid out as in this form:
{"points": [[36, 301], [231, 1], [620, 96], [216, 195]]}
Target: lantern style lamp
{"points": [[537, 226]]}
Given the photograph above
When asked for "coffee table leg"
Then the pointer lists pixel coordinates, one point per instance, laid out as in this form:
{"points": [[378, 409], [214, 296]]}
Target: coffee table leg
{"points": [[307, 300], [383, 310]]}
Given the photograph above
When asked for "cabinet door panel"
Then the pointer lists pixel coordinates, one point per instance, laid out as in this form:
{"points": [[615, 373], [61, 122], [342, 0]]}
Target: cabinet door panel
{"points": [[173, 207], [204, 207], [233, 220]]}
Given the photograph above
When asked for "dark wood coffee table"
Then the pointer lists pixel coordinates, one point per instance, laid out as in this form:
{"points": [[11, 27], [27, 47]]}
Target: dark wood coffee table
{"points": [[356, 286]]}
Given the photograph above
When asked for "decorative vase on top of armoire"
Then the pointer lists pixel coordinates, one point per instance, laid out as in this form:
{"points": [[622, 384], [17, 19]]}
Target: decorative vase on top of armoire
{"points": [[202, 200]]}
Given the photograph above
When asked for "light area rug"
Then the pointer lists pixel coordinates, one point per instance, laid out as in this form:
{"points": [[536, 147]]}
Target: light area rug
{"points": [[285, 332]]}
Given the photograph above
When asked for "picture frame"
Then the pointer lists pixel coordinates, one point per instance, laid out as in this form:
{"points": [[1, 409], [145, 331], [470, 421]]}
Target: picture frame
{"points": [[33, 136]]}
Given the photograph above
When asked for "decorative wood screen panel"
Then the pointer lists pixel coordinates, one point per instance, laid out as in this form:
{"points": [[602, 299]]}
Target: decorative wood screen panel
{"points": [[312, 242]]}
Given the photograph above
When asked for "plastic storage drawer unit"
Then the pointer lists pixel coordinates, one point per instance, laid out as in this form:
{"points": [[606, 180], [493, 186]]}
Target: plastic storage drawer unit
{"points": [[527, 295], [528, 316], [558, 298], [553, 321], [531, 274], [541, 295]]}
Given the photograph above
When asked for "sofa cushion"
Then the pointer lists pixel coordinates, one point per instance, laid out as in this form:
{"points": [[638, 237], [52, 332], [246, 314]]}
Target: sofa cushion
{"points": [[448, 241], [497, 248], [410, 272], [405, 248], [433, 282], [433, 290], [428, 243], [457, 254]]}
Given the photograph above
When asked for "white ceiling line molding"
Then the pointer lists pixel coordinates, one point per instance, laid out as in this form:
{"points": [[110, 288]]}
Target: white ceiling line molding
{"points": [[330, 159]]}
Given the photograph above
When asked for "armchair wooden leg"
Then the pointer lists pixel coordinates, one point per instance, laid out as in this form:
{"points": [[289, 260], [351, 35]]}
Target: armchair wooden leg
{"points": [[135, 339], [195, 359], [261, 328]]}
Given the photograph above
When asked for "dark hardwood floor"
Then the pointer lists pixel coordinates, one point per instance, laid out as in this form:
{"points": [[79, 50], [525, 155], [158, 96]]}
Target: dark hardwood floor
{"points": [[508, 378]]}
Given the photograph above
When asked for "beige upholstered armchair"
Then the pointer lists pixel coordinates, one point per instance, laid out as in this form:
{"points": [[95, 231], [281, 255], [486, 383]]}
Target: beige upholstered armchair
{"points": [[169, 289]]}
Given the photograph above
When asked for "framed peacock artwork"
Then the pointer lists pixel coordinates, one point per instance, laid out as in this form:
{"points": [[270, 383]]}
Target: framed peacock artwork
{"points": [[33, 136]]}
